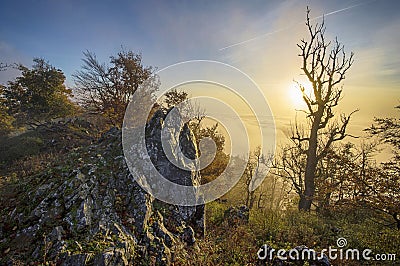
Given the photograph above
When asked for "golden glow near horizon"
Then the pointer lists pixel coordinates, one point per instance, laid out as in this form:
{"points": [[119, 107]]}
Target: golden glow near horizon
{"points": [[296, 96], [244, 111]]}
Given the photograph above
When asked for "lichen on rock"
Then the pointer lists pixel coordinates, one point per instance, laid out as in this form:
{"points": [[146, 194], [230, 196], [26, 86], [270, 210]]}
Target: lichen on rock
{"points": [[97, 214]]}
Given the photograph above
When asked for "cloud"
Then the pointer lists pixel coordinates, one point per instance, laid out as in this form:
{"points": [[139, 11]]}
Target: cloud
{"points": [[290, 26]]}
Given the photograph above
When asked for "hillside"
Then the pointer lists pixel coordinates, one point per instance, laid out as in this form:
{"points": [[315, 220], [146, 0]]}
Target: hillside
{"points": [[71, 200]]}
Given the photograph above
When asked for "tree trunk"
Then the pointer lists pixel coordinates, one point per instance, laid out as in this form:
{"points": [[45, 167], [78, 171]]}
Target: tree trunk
{"points": [[302, 202], [311, 164], [252, 199]]}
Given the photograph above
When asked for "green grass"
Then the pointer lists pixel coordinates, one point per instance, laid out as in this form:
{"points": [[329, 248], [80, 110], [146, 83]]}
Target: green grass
{"points": [[227, 244]]}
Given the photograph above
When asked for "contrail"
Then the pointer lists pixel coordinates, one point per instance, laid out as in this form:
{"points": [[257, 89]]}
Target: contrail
{"points": [[288, 27], [338, 11]]}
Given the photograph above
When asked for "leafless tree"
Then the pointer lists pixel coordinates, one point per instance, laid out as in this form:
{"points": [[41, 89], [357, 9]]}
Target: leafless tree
{"points": [[325, 65], [255, 169]]}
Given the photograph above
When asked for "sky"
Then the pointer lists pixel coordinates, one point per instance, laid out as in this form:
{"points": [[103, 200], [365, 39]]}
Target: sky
{"points": [[257, 37]]}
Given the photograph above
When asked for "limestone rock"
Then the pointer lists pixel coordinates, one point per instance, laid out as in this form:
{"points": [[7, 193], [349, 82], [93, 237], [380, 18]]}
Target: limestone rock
{"points": [[91, 211]]}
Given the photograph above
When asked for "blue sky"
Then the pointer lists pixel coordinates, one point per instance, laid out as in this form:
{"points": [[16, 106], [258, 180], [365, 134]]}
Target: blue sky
{"points": [[166, 32]]}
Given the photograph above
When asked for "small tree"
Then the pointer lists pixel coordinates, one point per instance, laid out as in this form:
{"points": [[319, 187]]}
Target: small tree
{"points": [[290, 165], [385, 195], [255, 168], [6, 120], [174, 97], [38, 94], [342, 176], [388, 130], [107, 89], [325, 70]]}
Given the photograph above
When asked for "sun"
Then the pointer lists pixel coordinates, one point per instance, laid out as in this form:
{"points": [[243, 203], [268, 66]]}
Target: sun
{"points": [[296, 96]]}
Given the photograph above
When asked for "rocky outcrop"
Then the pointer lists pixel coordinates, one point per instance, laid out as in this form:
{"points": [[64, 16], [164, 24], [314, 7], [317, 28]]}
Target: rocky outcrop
{"points": [[90, 211]]}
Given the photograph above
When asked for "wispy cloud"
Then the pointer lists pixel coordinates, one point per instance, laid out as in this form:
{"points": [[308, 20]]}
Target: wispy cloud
{"points": [[292, 25]]}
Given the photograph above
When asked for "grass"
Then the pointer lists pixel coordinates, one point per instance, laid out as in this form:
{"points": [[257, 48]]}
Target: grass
{"points": [[227, 244], [30, 165]]}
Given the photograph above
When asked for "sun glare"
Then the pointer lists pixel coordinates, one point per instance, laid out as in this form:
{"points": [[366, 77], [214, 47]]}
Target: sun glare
{"points": [[296, 95]]}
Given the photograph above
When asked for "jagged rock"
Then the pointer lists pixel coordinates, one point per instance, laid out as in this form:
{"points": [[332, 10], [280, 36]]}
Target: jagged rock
{"points": [[97, 214], [77, 259], [115, 257], [192, 216], [188, 236]]}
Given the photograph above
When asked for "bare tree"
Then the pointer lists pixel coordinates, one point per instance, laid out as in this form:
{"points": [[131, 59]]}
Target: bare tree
{"points": [[290, 164], [325, 65], [385, 196], [107, 89], [256, 168]]}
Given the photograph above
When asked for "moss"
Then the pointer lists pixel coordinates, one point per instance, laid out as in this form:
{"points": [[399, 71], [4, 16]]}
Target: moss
{"points": [[97, 244]]}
